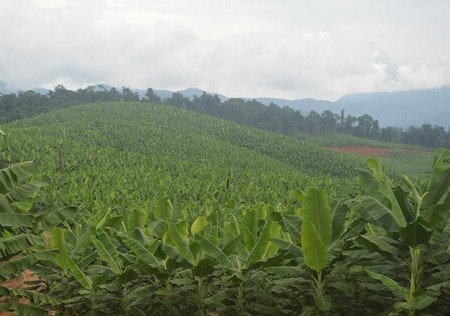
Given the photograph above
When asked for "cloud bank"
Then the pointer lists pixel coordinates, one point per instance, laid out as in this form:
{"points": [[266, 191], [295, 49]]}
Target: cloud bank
{"points": [[289, 49]]}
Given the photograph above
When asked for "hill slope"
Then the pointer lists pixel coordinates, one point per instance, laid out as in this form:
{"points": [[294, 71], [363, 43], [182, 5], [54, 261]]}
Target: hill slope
{"points": [[130, 153]]}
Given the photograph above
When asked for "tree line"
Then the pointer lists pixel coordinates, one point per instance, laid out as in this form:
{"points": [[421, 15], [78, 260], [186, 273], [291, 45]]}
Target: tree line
{"points": [[253, 113]]}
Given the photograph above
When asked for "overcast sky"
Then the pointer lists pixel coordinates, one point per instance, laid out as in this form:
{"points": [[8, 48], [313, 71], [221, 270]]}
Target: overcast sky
{"points": [[289, 49]]}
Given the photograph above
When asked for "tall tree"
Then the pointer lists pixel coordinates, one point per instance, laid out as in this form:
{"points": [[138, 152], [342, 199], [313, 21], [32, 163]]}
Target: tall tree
{"points": [[152, 97]]}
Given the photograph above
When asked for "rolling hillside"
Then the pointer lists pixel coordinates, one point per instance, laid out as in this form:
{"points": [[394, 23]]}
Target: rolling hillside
{"points": [[136, 152], [159, 202]]}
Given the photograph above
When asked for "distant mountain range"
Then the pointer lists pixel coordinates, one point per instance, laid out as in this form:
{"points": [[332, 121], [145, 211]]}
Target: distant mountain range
{"points": [[398, 108]]}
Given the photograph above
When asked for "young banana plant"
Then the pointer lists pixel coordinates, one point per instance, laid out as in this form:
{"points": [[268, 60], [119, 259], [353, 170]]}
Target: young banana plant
{"points": [[316, 233], [408, 228], [312, 234]]}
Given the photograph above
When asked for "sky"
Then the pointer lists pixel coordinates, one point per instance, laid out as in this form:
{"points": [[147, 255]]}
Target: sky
{"points": [[274, 48]]}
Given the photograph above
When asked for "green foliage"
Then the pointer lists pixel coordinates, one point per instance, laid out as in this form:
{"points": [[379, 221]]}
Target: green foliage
{"points": [[402, 231], [316, 229], [178, 213], [21, 244]]}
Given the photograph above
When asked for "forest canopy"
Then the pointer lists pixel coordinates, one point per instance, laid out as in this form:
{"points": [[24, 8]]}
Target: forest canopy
{"points": [[284, 120]]}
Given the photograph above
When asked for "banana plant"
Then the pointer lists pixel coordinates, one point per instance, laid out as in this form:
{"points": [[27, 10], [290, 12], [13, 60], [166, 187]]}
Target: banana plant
{"points": [[407, 227], [22, 237], [316, 233]]}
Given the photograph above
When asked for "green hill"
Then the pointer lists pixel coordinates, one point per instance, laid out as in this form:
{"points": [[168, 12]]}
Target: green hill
{"points": [[124, 154]]}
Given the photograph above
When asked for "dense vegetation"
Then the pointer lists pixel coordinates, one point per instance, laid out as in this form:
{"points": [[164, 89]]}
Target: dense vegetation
{"points": [[149, 209], [248, 112]]}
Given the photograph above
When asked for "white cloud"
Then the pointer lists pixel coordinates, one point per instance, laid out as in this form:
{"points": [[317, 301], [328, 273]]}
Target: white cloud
{"points": [[254, 48]]}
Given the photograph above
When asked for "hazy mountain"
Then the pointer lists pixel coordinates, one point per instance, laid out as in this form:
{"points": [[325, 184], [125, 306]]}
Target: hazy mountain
{"points": [[401, 108], [303, 105], [5, 88], [398, 108], [440, 119]]}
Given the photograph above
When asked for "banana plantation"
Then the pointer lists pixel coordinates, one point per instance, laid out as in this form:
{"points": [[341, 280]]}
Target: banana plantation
{"points": [[133, 209]]}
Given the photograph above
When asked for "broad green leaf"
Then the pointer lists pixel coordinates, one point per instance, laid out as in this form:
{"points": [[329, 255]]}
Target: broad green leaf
{"points": [[378, 244], [58, 242], [437, 215], [297, 194], [439, 184], [395, 288], [316, 212], [164, 209], [83, 241], [231, 246], [58, 216], [23, 206], [287, 245], [272, 248], [25, 192], [315, 253], [199, 225], [104, 254], [374, 212], [292, 224], [15, 220], [250, 220], [64, 260], [378, 185], [137, 219], [260, 246], [338, 215], [249, 238], [424, 300], [105, 216], [181, 244], [403, 197], [18, 243], [214, 252], [141, 252], [415, 234], [30, 310], [18, 264], [12, 176], [213, 235]]}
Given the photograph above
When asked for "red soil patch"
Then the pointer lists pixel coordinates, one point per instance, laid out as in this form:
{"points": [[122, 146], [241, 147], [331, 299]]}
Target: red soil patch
{"points": [[20, 283], [364, 151]]}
